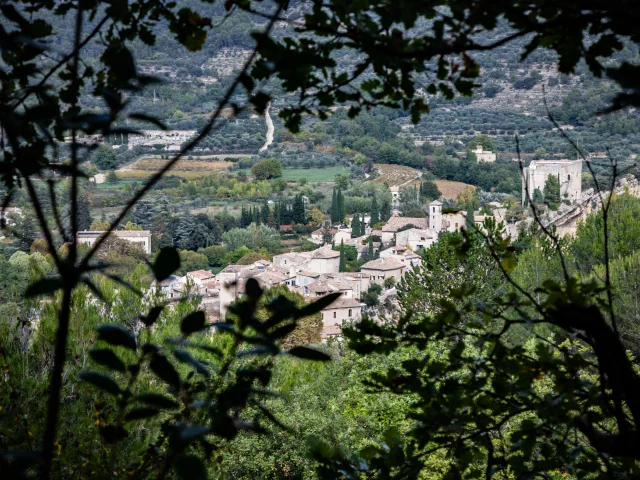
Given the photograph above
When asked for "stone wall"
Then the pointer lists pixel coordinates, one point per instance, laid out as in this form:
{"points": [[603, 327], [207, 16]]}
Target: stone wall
{"points": [[569, 172]]}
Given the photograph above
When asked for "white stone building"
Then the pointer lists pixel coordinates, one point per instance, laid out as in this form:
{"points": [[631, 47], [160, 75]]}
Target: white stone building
{"points": [[416, 238], [141, 237], [382, 268], [569, 173], [342, 310], [484, 156], [397, 223]]}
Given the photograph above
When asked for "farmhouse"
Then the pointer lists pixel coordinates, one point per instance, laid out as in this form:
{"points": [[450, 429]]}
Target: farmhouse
{"points": [[484, 156]]}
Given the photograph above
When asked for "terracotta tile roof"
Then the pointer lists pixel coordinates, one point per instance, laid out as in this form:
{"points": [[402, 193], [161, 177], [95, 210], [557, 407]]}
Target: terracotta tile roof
{"points": [[396, 223], [325, 252], [324, 286], [383, 264], [306, 273], [200, 274], [343, 303]]}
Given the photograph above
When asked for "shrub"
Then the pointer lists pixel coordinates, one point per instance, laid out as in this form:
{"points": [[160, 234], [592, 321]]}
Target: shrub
{"points": [[266, 169]]}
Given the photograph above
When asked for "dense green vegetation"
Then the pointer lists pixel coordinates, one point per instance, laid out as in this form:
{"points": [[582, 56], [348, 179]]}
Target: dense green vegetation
{"points": [[500, 359]]}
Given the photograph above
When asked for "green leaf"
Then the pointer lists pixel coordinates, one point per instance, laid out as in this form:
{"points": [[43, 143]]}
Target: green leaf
{"points": [[107, 358], [153, 316], [112, 434], [157, 400], [309, 354], [190, 467], [189, 434], [192, 323], [46, 286], [186, 357], [163, 369], [167, 262], [101, 381], [117, 335], [140, 413]]}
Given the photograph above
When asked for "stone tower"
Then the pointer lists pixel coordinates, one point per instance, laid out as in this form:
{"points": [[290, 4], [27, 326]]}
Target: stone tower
{"points": [[435, 215]]}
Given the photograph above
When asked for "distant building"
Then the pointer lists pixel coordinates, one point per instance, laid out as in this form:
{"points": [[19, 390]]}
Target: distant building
{"points": [[484, 156], [569, 173], [398, 223], [416, 238], [382, 268], [342, 310], [454, 221], [200, 277], [435, 215], [141, 237]]}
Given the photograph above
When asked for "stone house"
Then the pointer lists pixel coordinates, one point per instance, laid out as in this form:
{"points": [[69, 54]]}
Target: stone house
{"points": [[382, 268], [171, 287], [342, 235], [454, 221], [233, 278], [484, 156], [141, 237], [306, 277], [325, 287], [358, 281], [322, 260], [199, 277], [416, 238], [397, 223], [342, 310], [317, 236]]}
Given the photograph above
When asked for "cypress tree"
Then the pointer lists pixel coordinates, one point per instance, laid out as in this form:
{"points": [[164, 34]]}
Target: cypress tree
{"points": [[375, 212], [264, 214], [342, 212], [277, 215], [343, 261], [334, 207], [355, 226], [370, 250], [299, 215]]}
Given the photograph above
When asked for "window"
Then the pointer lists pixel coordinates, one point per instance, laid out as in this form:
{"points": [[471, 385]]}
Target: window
{"points": [[456, 225], [434, 209], [334, 314], [568, 177], [349, 312]]}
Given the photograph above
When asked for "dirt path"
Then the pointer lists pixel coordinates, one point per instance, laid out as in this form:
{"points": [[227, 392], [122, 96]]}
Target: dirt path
{"points": [[269, 123]]}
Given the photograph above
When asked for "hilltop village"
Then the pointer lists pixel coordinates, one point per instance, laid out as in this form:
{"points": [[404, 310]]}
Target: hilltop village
{"points": [[385, 249]]}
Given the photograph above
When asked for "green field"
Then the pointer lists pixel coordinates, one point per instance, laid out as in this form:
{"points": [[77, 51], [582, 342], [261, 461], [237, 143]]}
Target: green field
{"points": [[311, 174]]}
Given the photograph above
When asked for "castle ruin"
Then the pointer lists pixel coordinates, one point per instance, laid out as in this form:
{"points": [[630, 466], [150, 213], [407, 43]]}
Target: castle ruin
{"points": [[569, 172]]}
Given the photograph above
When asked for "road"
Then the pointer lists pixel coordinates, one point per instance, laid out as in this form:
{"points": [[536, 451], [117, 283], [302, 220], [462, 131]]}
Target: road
{"points": [[269, 123]]}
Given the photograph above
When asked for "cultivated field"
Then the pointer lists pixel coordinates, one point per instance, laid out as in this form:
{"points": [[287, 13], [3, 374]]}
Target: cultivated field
{"points": [[395, 175], [451, 189], [315, 175], [190, 169]]}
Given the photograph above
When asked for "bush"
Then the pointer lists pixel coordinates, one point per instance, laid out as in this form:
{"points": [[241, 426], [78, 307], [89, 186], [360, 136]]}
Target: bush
{"points": [[266, 169]]}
